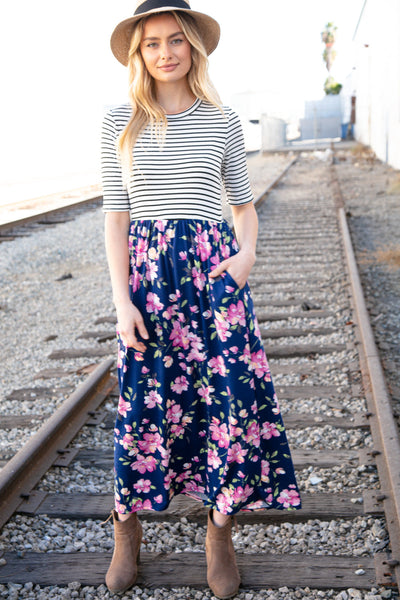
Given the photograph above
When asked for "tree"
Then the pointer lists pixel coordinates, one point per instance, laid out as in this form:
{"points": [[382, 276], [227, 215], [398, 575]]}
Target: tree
{"points": [[328, 37]]}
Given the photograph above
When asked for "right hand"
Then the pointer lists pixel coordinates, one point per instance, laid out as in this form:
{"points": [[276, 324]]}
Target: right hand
{"points": [[130, 320]]}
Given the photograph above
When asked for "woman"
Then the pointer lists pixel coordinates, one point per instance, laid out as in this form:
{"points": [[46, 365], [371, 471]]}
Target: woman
{"points": [[197, 413]]}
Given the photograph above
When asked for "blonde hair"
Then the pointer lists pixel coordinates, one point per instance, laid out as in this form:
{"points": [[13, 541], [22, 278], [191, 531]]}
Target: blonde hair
{"points": [[145, 108]]}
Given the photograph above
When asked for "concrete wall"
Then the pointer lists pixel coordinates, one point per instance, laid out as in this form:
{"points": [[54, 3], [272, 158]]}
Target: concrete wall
{"points": [[378, 79], [321, 118]]}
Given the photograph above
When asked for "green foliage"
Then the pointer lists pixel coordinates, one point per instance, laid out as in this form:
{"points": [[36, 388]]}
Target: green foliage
{"points": [[332, 87]]}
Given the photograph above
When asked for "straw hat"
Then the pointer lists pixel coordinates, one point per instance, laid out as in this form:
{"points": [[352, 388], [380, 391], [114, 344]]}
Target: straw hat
{"points": [[121, 37]]}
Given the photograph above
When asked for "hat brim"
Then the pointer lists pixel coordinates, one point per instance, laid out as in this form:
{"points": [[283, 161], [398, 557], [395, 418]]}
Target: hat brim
{"points": [[120, 42]]}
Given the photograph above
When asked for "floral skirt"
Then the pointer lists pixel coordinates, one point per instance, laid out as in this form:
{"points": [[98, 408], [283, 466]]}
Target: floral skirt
{"points": [[197, 412]]}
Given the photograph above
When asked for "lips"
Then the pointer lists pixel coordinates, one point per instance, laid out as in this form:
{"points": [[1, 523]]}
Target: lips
{"points": [[169, 67]]}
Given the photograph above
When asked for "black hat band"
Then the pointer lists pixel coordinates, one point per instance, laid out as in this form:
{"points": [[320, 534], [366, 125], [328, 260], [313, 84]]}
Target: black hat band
{"points": [[152, 4]]}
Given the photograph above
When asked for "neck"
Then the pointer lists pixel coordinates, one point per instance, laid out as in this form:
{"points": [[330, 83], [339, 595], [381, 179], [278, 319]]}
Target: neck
{"points": [[175, 98]]}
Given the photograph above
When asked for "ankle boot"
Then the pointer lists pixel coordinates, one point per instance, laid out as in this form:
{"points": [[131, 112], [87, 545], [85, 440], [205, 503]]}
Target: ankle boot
{"points": [[123, 568], [222, 572]]}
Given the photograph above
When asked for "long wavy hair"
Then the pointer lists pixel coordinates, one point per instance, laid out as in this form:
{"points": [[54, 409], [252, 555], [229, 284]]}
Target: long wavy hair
{"points": [[145, 108]]}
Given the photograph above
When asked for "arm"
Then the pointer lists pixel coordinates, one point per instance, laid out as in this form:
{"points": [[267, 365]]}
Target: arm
{"points": [[129, 317], [239, 265]]}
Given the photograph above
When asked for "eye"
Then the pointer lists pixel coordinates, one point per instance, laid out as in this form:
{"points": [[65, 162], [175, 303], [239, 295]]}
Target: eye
{"points": [[177, 41], [152, 45]]}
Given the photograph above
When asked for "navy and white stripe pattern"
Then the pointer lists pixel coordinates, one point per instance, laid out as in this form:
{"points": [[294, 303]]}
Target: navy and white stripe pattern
{"points": [[182, 178]]}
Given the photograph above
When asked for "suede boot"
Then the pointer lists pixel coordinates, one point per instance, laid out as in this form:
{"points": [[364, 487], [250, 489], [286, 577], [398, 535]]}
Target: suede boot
{"points": [[222, 572], [123, 568]]}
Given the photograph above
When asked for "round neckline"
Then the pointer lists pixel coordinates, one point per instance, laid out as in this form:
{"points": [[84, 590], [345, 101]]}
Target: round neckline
{"points": [[185, 112]]}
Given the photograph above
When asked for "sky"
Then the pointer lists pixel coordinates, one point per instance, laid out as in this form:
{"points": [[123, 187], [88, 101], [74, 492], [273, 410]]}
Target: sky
{"points": [[58, 73]]}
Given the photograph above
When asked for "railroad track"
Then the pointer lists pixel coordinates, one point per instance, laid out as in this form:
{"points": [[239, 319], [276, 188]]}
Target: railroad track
{"points": [[48, 218], [328, 377]]}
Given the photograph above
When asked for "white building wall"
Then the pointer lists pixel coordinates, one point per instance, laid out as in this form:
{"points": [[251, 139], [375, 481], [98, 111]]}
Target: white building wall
{"points": [[378, 79]]}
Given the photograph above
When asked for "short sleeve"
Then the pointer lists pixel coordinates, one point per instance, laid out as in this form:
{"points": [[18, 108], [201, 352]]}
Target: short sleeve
{"points": [[115, 195], [234, 166]]}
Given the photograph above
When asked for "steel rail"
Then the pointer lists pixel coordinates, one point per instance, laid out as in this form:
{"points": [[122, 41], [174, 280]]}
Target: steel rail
{"points": [[6, 227], [384, 430], [260, 199], [27, 467]]}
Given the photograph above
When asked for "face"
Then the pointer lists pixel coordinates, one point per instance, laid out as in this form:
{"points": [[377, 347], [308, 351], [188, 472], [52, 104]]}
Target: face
{"points": [[165, 50]]}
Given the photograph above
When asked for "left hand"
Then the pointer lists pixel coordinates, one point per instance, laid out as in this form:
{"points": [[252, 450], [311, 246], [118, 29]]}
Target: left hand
{"points": [[238, 266]]}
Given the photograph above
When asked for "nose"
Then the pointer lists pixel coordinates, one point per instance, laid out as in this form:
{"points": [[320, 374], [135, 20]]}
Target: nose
{"points": [[165, 51]]}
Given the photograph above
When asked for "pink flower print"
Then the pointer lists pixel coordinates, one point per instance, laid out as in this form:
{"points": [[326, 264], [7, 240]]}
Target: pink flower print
{"points": [[121, 357], [153, 304], [236, 314], [234, 349], [215, 233], [186, 420], [160, 225], [153, 254], [253, 434], [225, 250], [168, 361], [179, 335], [168, 478], [123, 406], [269, 430], [139, 505], [215, 261], [144, 463], [246, 355], [151, 271], [222, 327], [243, 414], [180, 384], [205, 392], [241, 494], [254, 407], [175, 297], [236, 453], [158, 499], [217, 365], [134, 280], [141, 251], [183, 256], [220, 433], [150, 443], [162, 242], [145, 370], [194, 309], [213, 460], [280, 471], [203, 245], [257, 331], [225, 501], [170, 234], [174, 414], [233, 430], [142, 486], [152, 399], [265, 469], [289, 498], [199, 279], [127, 441], [177, 430], [138, 356], [259, 363], [120, 508], [207, 314], [194, 354]]}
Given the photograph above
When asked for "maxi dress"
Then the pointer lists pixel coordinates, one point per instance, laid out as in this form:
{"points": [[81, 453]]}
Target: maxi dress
{"points": [[197, 410]]}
